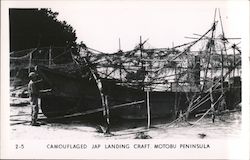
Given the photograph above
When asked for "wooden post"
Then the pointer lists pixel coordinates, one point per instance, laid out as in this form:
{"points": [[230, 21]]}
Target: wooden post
{"points": [[107, 115], [147, 92]]}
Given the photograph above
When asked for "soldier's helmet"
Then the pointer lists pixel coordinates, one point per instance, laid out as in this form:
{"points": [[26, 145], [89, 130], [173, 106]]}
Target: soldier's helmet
{"points": [[32, 74]]}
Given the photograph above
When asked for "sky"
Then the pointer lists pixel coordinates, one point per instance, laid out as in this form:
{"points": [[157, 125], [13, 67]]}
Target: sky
{"points": [[164, 23]]}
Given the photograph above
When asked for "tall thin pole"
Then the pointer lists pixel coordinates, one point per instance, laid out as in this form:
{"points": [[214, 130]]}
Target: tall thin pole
{"points": [[224, 39], [107, 114], [210, 50], [119, 44], [148, 98]]}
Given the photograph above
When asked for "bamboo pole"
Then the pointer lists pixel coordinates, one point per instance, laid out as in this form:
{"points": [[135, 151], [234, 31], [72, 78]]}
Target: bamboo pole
{"points": [[211, 42], [119, 44], [206, 98], [148, 109], [107, 114], [224, 38], [148, 98], [100, 109]]}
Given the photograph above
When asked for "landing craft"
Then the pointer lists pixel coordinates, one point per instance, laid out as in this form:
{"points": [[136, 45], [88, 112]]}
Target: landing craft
{"points": [[195, 77]]}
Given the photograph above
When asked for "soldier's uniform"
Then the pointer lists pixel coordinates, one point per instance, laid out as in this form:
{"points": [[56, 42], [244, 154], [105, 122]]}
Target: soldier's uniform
{"points": [[33, 95]]}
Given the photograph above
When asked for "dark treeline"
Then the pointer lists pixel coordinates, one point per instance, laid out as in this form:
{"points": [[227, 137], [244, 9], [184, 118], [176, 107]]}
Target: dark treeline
{"points": [[31, 28]]}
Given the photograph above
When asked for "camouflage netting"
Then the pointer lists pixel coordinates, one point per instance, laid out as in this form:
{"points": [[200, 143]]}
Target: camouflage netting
{"points": [[20, 62]]}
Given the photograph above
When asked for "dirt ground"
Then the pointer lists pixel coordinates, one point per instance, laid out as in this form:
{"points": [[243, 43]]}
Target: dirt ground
{"points": [[228, 126]]}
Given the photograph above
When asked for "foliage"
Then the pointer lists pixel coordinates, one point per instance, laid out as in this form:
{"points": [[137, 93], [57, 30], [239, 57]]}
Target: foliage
{"points": [[31, 28]]}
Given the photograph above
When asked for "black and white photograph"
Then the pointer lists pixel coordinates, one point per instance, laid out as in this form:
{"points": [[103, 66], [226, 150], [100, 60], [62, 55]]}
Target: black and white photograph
{"points": [[90, 77]]}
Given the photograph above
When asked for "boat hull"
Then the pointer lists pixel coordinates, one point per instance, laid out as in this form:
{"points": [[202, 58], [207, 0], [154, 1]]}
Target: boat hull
{"points": [[75, 94]]}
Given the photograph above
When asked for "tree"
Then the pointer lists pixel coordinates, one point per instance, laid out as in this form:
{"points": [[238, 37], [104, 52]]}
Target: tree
{"points": [[31, 28]]}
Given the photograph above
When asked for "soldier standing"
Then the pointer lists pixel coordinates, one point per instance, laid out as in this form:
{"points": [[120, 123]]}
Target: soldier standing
{"points": [[33, 95]]}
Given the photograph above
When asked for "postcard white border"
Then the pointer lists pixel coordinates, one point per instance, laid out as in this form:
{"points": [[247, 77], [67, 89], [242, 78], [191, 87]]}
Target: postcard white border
{"points": [[220, 149]]}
